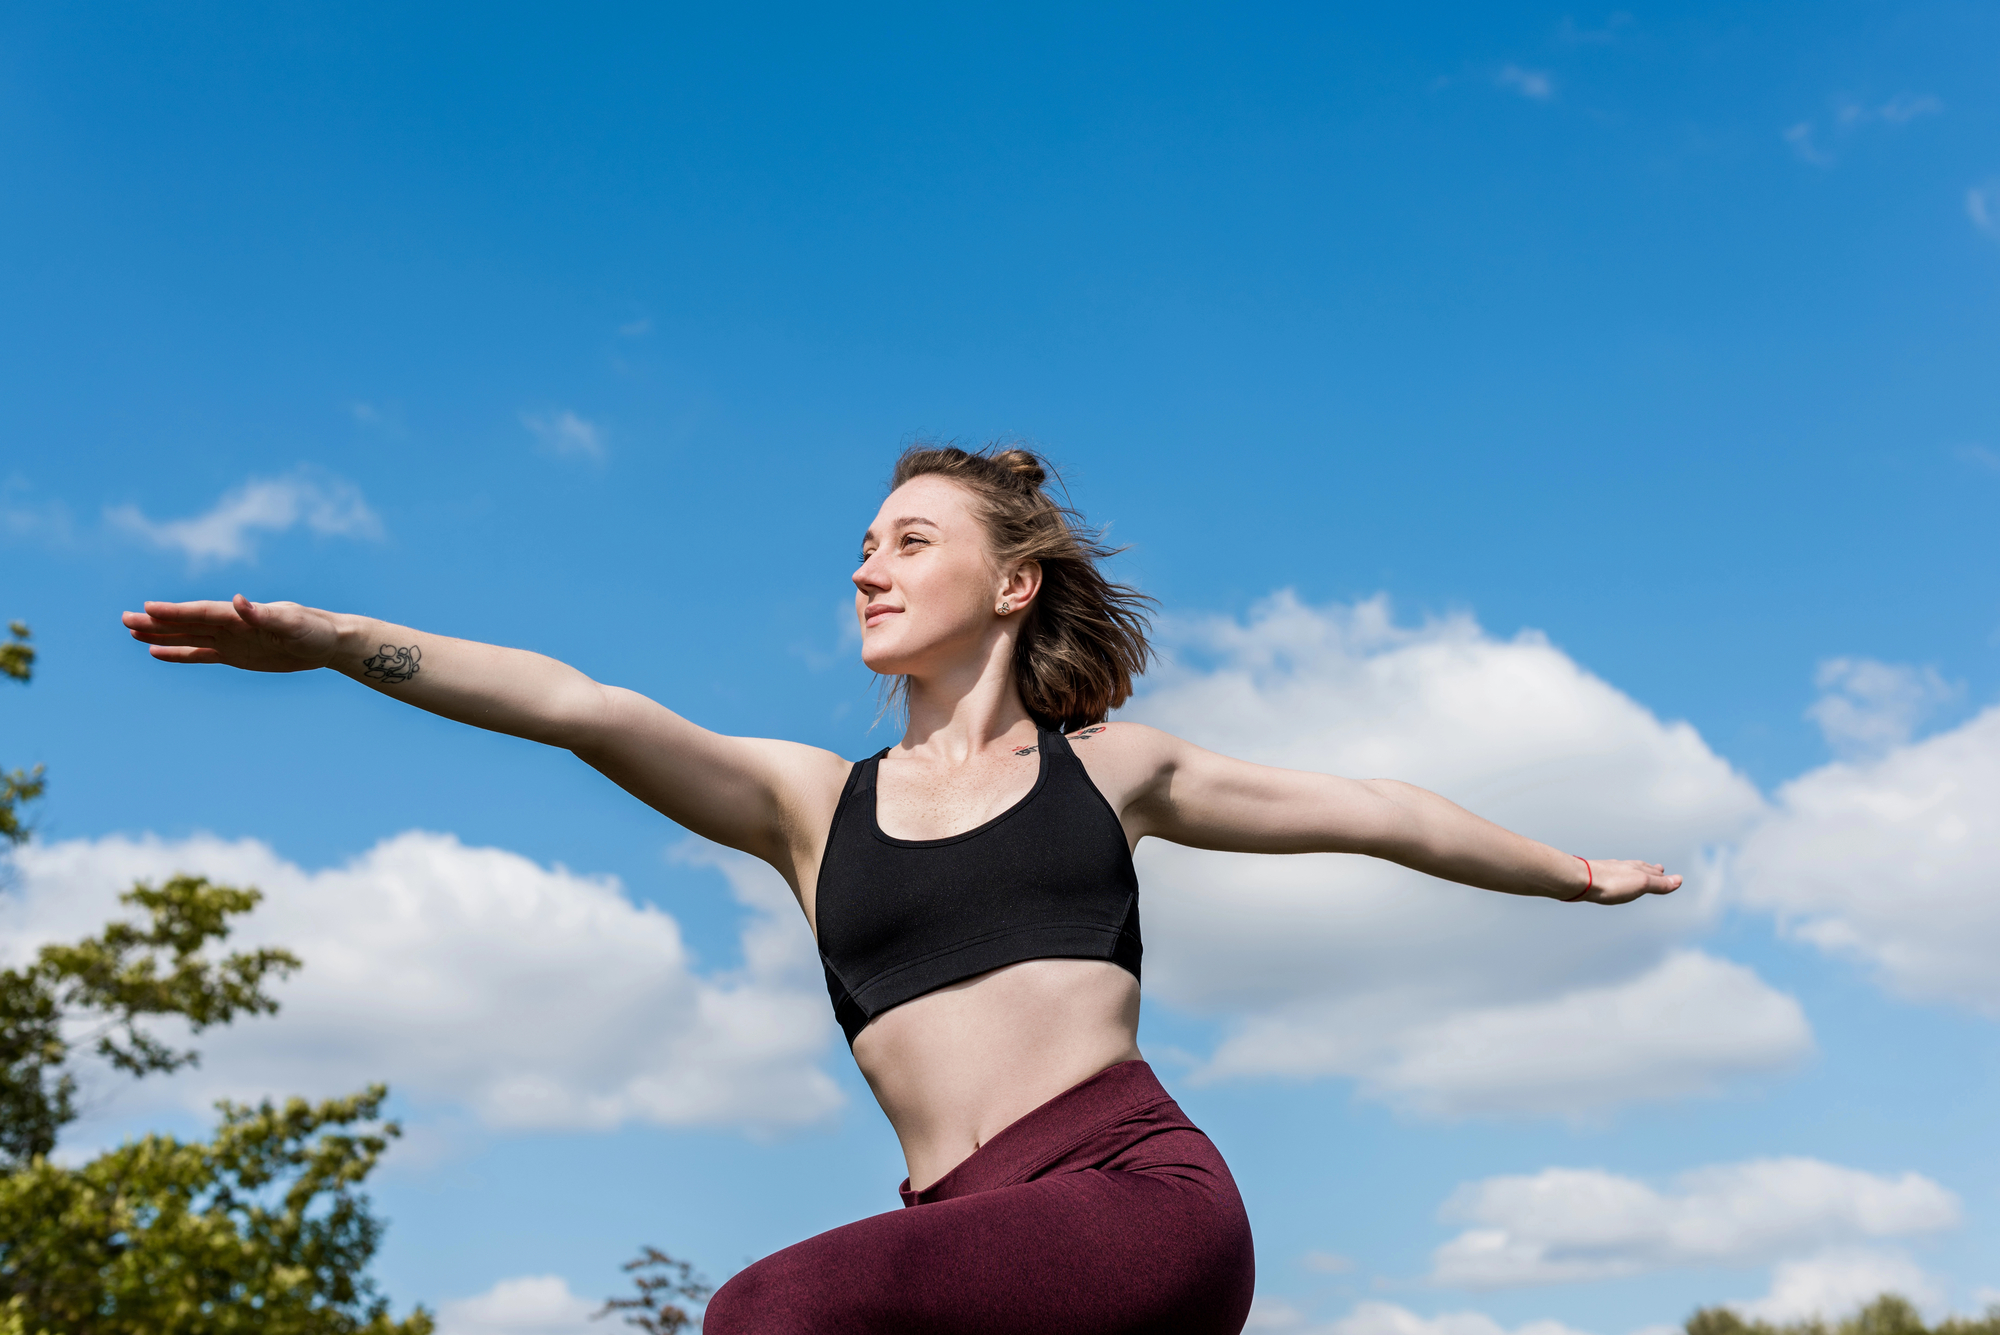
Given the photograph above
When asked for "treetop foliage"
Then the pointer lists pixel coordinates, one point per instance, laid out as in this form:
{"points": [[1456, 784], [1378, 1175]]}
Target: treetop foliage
{"points": [[259, 1230], [658, 1277], [1887, 1315], [96, 992], [17, 656], [17, 660]]}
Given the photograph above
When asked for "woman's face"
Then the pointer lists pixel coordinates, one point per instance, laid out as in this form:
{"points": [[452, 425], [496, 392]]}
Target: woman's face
{"points": [[927, 589]]}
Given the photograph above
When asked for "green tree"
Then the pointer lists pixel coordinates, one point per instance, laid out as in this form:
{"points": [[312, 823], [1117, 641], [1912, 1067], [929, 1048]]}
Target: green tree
{"points": [[262, 1228], [96, 992], [658, 1277], [1887, 1315], [17, 660]]}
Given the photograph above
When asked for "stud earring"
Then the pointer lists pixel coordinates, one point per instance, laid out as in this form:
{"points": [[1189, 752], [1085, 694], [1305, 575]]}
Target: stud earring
{"points": [[1005, 607]]}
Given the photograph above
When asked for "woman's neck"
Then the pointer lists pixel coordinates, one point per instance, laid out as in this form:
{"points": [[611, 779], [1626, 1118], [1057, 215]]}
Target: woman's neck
{"points": [[956, 714]]}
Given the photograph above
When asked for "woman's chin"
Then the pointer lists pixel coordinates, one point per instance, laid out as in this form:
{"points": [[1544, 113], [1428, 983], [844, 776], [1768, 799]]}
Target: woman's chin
{"points": [[884, 664]]}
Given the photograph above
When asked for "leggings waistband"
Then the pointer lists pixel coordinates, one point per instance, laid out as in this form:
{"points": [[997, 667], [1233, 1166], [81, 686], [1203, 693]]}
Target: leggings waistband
{"points": [[1063, 1133]]}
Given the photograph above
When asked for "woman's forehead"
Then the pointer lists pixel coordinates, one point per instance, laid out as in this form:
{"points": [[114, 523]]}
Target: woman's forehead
{"points": [[937, 501]]}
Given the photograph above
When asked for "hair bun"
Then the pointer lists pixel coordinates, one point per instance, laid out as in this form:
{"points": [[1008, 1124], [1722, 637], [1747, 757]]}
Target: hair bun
{"points": [[1023, 467]]}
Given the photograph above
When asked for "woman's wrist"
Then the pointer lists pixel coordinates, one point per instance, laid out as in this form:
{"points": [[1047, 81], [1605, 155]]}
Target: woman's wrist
{"points": [[1580, 869], [354, 639]]}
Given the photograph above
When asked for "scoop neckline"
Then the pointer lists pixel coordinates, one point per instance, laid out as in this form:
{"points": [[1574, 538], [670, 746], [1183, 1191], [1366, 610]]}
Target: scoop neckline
{"points": [[875, 803]]}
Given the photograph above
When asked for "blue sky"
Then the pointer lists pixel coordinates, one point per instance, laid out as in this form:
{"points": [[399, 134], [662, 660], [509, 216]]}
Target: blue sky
{"points": [[1640, 360]]}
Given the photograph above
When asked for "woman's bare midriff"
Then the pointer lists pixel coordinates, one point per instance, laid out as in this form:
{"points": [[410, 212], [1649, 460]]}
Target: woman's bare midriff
{"points": [[955, 1066]]}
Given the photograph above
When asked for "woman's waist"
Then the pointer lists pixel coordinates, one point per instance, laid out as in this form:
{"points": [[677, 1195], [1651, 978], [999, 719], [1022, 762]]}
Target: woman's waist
{"points": [[954, 1067]]}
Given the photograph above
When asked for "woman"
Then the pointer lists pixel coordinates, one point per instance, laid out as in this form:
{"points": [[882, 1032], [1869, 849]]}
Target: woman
{"points": [[972, 892]]}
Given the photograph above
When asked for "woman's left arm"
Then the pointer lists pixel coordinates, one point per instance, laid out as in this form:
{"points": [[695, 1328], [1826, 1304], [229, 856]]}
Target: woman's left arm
{"points": [[1186, 795]]}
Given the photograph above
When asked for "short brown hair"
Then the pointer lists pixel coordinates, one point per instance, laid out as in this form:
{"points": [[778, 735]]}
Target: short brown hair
{"points": [[1083, 638]]}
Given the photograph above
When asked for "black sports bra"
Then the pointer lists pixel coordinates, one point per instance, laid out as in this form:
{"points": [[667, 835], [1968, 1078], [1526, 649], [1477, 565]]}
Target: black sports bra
{"points": [[1050, 877]]}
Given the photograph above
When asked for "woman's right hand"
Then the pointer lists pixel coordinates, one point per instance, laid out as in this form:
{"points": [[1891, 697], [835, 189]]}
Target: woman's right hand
{"points": [[257, 637]]}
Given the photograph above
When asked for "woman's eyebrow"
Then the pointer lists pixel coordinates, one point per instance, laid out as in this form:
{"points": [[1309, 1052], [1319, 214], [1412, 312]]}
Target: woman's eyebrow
{"points": [[904, 522]]}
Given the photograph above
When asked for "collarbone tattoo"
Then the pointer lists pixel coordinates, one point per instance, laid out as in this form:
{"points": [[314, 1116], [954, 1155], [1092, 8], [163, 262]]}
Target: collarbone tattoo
{"points": [[1081, 735]]}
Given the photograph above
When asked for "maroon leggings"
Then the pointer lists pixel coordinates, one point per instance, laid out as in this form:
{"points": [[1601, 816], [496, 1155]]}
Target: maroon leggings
{"points": [[1102, 1211]]}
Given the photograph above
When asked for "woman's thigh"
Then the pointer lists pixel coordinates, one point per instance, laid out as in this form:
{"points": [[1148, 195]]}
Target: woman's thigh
{"points": [[1087, 1253]]}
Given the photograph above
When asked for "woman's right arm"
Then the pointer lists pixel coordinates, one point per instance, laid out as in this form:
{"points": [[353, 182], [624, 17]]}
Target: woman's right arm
{"points": [[749, 793]]}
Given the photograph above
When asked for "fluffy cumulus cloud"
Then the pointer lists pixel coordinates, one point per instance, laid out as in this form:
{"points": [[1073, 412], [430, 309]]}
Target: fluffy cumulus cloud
{"points": [[227, 531], [533, 996], [1439, 997], [1891, 860], [1868, 708], [1268, 1317], [1839, 1280], [530, 1305], [1568, 1224]]}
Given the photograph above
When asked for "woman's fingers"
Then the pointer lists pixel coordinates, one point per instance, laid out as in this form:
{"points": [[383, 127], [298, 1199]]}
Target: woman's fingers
{"points": [[209, 611], [162, 637], [168, 653], [260, 637], [1620, 881]]}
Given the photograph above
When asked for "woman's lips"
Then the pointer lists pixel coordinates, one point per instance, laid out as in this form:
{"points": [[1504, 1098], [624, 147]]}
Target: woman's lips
{"points": [[876, 613]]}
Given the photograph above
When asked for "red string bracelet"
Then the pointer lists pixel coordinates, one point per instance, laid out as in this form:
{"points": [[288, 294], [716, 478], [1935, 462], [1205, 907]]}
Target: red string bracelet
{"points": [[1588, 884]]}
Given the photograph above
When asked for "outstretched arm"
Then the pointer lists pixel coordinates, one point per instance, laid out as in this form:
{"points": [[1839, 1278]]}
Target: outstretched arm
{"points": [[1196, 797], [738, 791]]}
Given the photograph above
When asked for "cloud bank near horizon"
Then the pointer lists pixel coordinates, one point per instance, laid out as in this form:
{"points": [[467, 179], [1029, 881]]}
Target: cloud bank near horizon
{"points": [[535, 997], [1438, 998]]}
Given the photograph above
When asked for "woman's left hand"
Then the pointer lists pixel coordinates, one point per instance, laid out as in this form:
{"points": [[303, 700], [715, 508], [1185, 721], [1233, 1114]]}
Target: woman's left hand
{"points": [[1620, 881]]}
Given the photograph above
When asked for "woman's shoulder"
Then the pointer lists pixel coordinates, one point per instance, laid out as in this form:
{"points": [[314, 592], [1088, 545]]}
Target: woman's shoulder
{"points": [[1123, 736], [1124, 758]]}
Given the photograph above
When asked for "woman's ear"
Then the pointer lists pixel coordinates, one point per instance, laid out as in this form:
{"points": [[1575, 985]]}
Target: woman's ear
{"points": [[1021, 587]]}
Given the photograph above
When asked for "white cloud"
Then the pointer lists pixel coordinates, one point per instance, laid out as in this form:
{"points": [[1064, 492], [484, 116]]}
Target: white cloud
{"points": [[1892, 861], [1533, 84], [323, 503], [1674, 1030], [1380, 1318], [1868, 707], [1906, 107], [533, 996], [565, 433], [24, 518], [1836, 1282], [530, 1305], [1898, 110], [1849, 116], [1982, 205], [1806, 146], [1327, 1263], [1569, 1224], [1326, 965]]}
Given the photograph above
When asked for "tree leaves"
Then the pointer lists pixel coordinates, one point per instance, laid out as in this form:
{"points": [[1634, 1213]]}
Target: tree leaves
{"points": [[260, 1229], [657, 1276], [1887, 1315], [96, 992]]}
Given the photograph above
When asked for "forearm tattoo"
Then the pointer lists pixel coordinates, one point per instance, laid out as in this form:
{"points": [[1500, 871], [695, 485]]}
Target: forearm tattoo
{"points": [[392, 666]]}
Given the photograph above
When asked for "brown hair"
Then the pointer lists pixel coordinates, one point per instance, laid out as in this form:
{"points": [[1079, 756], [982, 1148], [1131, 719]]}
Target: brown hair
{"points": [[1083, 638]]}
